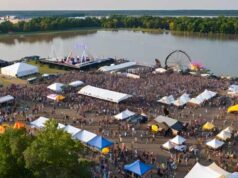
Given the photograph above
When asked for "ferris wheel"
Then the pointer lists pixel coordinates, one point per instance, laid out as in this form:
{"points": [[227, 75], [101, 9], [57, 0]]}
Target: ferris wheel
{"points": [[178, 60]]}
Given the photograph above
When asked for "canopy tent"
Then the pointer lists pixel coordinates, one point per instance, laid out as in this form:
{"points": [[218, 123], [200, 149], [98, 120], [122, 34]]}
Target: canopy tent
{"points": [[45, 75], [40, 122], [116, 67], [139, 168], [84, 136], [172, 123], [168, 145], [229, 129], [19, 70], [199, 171], [215, 143], [6, 98], [208, 126], [224, 135], [57, 87], [19, 125], [71, 130], [167, 100], [218, 169], [182, 100], [233, 109], [124, 115], [233, 90], [204, 96], [99, 142], [56, 97], [160, 70], [104, 94], [178, 140], [76, 83]]}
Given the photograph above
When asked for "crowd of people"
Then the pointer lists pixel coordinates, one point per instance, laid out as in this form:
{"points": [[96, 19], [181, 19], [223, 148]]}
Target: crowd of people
{"points": [[132, 140]]}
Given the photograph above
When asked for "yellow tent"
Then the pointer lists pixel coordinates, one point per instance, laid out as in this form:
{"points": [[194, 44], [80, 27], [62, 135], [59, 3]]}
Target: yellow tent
{"points": [[208, 126], [2, 129], [154, 128], [59, 98], [233, 109], [105, 150], [19, 125]]}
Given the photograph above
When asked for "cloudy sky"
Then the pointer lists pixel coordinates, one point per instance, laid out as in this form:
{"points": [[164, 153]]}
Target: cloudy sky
{"points": [[116, 4]]}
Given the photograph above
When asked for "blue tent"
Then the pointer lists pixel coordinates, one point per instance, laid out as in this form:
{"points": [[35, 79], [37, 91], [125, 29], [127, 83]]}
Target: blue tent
{"points": [[138, 167], [99, 142]]}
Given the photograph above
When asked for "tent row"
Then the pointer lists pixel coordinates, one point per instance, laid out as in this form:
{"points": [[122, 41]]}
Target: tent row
{"points": [[84, 136], [184, 99], [211, 171], [58, 87]]}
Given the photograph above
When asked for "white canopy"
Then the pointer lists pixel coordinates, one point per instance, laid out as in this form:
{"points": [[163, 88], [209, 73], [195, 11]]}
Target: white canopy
{"points": [[72, 130], [76, 83], [224, 135], [215, 143], [124, 115], [218, 169], [160, 70], [84, 136], [40, 122], [204, 96], [167, 100], [19, 70], [6, 98], [117, 67], [200, 171], [178, 140], [104, 94], [233, 90], [168, 145], [182, 100], [56, 87], [229, 129]]}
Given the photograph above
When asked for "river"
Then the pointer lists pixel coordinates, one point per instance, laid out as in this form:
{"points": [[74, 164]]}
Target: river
{"points": [[220, 55]]}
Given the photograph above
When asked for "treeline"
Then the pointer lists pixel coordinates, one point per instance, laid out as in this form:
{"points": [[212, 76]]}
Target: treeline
{"points": [[224, 25]]}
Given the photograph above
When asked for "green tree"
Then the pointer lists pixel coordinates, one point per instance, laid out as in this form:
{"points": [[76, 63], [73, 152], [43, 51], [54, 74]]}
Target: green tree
{"points": [[13, 143], [54, 154]]}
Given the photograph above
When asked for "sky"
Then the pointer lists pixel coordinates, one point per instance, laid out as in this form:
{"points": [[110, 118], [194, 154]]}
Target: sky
{"points": [[116, 4]]}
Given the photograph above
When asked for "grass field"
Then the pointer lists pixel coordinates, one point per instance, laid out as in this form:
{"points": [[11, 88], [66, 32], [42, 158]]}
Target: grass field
{"points": [[6, 81], [45, 69]]}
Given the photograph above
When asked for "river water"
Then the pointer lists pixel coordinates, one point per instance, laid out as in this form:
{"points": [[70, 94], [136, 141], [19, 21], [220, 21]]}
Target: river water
{"points": [[220, 55]]}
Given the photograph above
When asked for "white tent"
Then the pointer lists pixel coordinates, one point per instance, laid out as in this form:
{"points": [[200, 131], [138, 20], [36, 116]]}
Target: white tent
{"points": [[218, 169], [84, 136], [104, 94], [56, 87], [167, 100], [117, 67], [72, 130], [215, 143], [168, 145], [204, 96], [160, 70], [19, 70], [178, 140], [182, 100], [233, 90], [224, 135], [40, 122], [6, 98], [124, 115], [199, 171], [76, 83], [229, 129]]}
